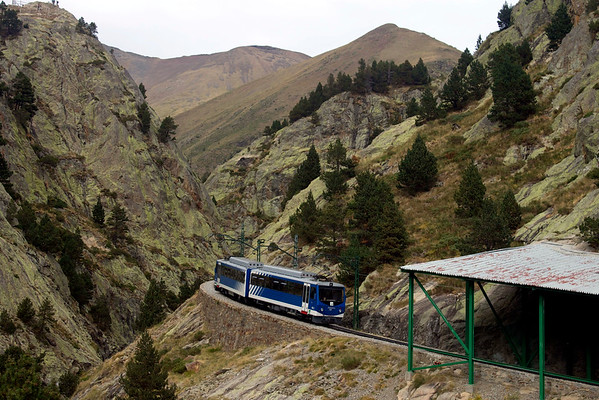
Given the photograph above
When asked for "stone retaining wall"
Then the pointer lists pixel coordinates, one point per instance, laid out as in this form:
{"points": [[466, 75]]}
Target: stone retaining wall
{"points": [[234, 325]]}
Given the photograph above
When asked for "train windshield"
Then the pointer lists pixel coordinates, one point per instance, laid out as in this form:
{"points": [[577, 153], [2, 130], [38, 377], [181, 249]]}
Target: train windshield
{"points": [[328, 295]]}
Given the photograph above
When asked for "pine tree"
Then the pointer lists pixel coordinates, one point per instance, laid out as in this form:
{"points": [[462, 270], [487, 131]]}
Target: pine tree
{"points": [[370, 197], [145, 376], [20, 377], [589, 231], [167, 129], [465, 59], [510, 210], [420, 74], [477, 81], [489, 231], [428, 110], [22, 99], [504, 17], [5, 174], [470, 194], [306, 172], [153, 308], [304, 222], [142, 89], [390, 235], [525, 53], [418, 169], [332, 225], [412, 108], [560, 26], [145, 118], [117, 223], [513, 94], [479, 42], [6, 323], [25, 311], [98, 214], [454, 94], [10, 24], [45, 316]]}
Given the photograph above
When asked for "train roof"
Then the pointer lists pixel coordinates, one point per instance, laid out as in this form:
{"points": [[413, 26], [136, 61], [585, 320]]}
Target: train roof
{"points": [[304, 276]]}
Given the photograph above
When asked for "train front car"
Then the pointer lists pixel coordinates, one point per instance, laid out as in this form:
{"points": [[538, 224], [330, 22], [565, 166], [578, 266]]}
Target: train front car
{"points": [[232, 276], [328, 304]]}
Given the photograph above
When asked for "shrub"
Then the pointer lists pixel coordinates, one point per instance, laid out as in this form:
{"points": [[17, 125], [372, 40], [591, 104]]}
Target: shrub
{"points": [[25, 311], [6, 323], [589, 231], [67, 383]]}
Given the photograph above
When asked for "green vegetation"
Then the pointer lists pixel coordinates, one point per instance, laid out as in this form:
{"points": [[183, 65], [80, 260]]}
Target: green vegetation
{"points": [[341, 169], [87, 29], [145, 118], [275, 127], [513, 94], [307, 171], [304, 222], [20, 377], [22, 99], [477, 81], [142, 90], [589, 231], [418, 169], [167, 129], [428, 109], [100, 312], [10, 24], [504, 17], [98, 214], [7, 324], [156, 302], [145, 376], [5, 174], [117, 223], [26, 311], [67, 384], [470, 194], [561, 24]]}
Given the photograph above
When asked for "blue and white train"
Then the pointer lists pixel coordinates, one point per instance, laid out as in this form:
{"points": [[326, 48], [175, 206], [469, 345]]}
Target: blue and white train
{"points": [[281, 289]]}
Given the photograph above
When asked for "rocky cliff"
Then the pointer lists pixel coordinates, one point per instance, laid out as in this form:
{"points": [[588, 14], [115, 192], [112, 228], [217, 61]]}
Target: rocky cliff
{"points": [[85, 143]]}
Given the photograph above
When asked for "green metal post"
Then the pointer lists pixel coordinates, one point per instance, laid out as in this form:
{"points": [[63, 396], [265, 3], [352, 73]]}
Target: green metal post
{"points": [[541, 346], [354, 263], [411, 322], [470, 329], [260, 242], [295, 251]]}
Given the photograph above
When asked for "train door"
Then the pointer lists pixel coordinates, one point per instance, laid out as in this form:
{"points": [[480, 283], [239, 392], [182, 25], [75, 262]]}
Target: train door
{"points": [[305, 298]]}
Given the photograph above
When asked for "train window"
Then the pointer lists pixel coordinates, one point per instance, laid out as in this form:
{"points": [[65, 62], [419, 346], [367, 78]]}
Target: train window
{"points": [[232, 273], [279, 285], [329, 295], [313, 292]]}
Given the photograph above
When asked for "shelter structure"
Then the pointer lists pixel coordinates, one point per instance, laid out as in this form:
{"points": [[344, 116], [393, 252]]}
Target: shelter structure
{"points": [[544, 268]]}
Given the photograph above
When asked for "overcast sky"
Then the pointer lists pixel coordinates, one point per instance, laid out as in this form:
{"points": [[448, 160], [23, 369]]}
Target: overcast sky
{"points": [[169, 29]]}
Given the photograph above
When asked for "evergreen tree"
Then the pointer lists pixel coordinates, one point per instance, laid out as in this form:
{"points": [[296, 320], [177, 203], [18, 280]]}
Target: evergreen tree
{"points": [[420, 74], [513, 94], [390, 235], [145, 118], [336, 154], [510, 210], [100, 313], [454, 94], [67, 384], [477, 81], [560, 26], [304, 222], [335, 183], [355, 252], [479, 42], [10, 24], [525, 53], [370, 197], [465, 59], [413, 108], [20, 377], [418, 169], [145, 376], [22, 99], [25, 311], [5, 174], [117, 223], [167, 129], [45, 316], [363, 78], [332, 225], [142, 89], [307, 171], [428, 110], [504, 17], [7, 325], [589, 231], [489, 231], [98, 214], [470, 194], [153, 308]]}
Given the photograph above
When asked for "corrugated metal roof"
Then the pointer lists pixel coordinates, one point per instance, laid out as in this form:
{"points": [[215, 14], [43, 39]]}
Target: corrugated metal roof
{"points": [[542, 265]]}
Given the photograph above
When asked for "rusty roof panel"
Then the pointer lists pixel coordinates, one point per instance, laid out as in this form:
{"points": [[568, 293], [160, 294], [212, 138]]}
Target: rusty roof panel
{"points": [[542, 265]]}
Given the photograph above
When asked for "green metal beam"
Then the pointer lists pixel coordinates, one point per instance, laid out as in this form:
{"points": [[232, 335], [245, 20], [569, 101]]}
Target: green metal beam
{"points": [[470, 329], [411, 322], [541, 346], [521, 360], [440, 365], [453, 331]]}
